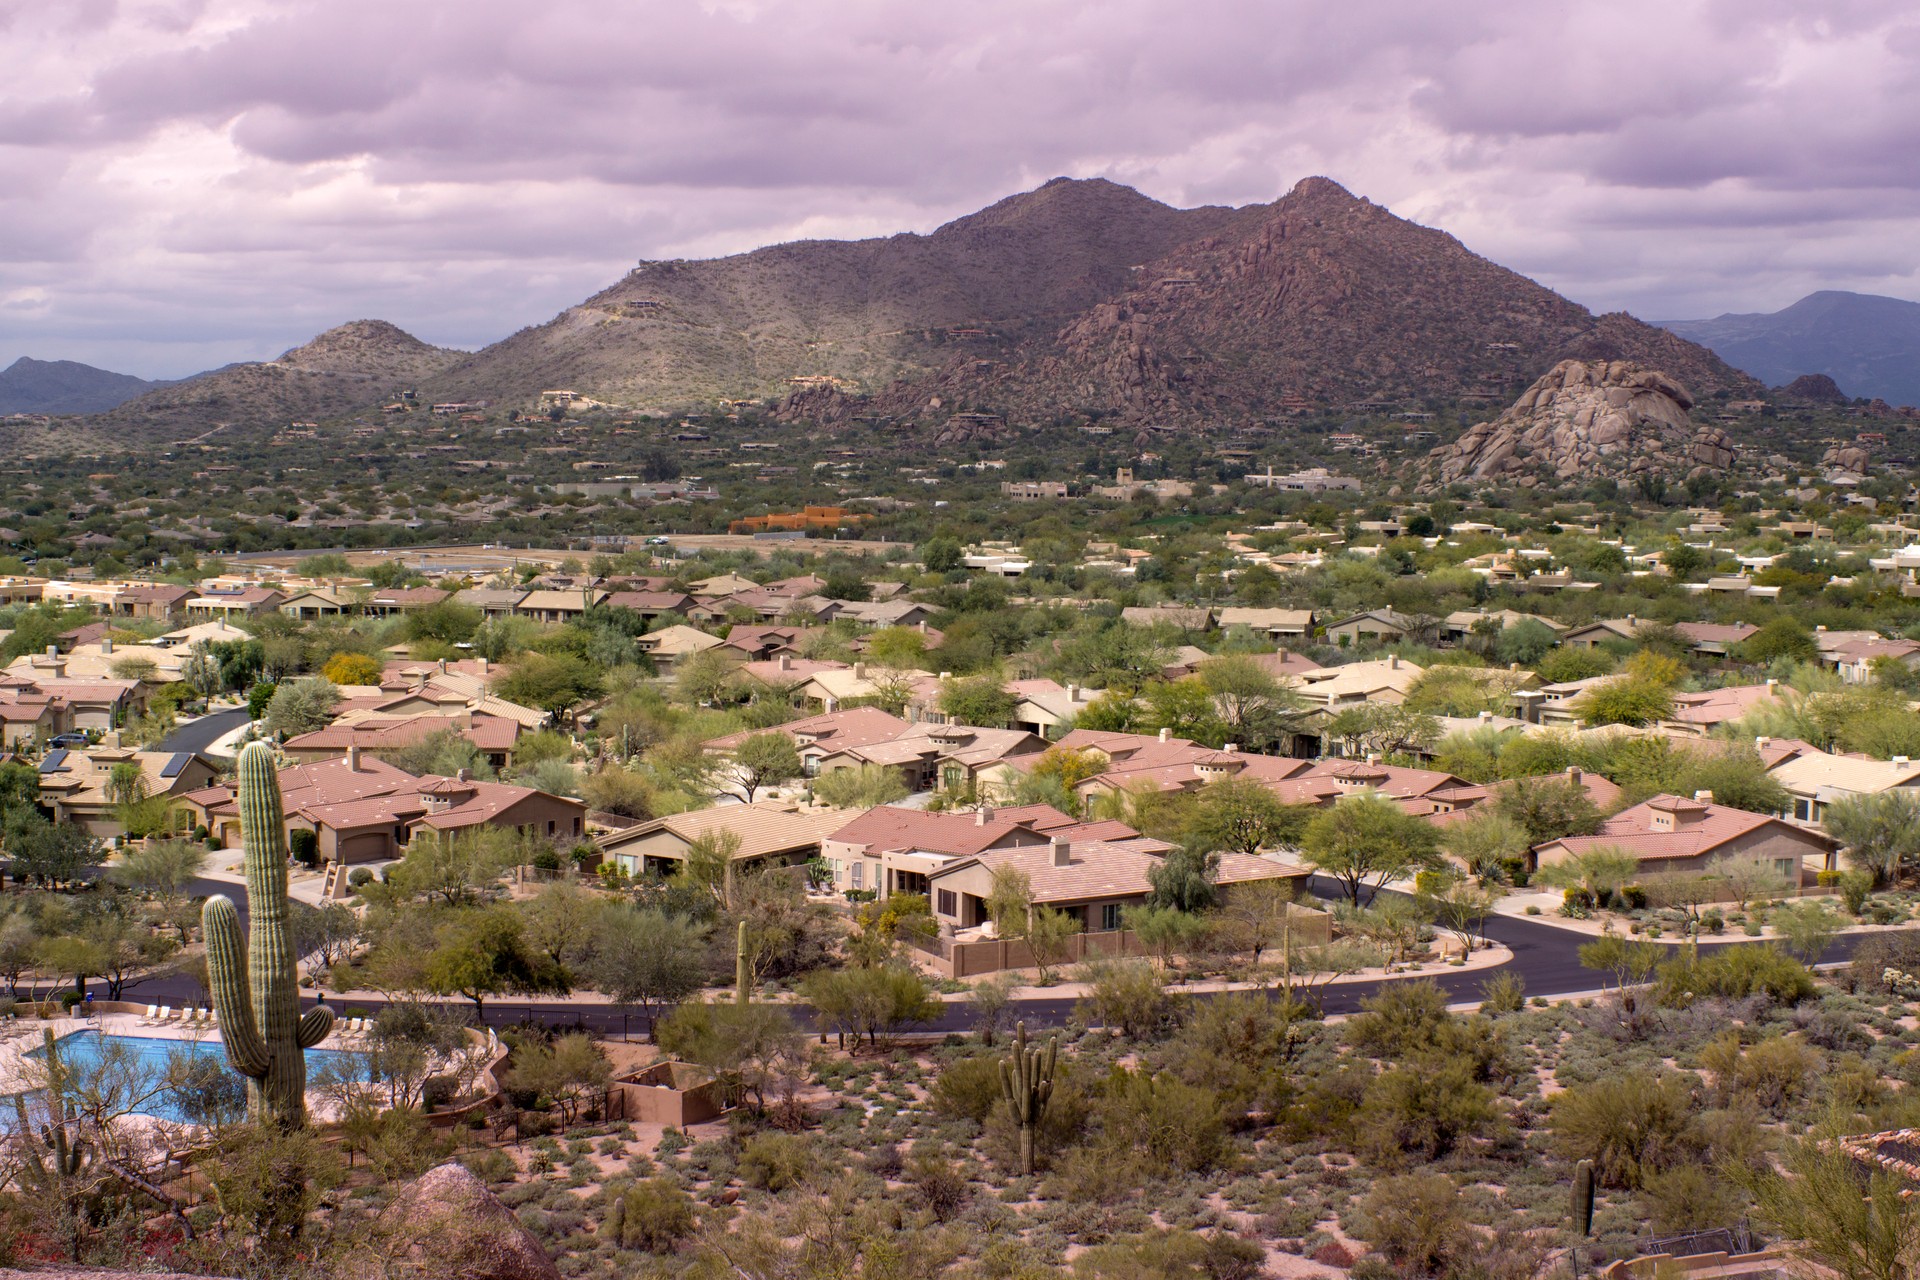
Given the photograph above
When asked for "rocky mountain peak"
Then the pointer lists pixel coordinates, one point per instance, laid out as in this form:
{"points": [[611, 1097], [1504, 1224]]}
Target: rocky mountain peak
{"points": [[1587, 418]]}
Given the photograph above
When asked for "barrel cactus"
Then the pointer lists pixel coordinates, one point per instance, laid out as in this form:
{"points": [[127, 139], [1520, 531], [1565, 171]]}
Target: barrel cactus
{"points": [[256, 992]]}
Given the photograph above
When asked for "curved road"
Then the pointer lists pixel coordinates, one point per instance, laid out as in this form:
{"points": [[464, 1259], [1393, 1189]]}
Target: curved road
{"points": [[1546, 958], [204, 732]]}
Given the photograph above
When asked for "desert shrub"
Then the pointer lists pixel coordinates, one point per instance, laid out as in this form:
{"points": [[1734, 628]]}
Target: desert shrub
{"points": [[303, 845], [968, 1089], [1414, 1219], [491, 1165], [776, 1161], [1504, 992], [1630, 1124], [1172, 1255], [1829, 1029], [940, 1183], [438, 1091], [1096, 1176], [1878, 952], [1423, 1110], [1733, 973], [1128, 996], [1688, 1197], [1399, 1021], [1174, 1126], [1239, 1045], [654, 1214], [360, 876], [884, 1161], [1770, 1073]]}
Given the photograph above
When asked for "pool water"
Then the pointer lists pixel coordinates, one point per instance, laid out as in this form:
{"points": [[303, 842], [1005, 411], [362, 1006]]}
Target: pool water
{"points": [[84, 1050]]}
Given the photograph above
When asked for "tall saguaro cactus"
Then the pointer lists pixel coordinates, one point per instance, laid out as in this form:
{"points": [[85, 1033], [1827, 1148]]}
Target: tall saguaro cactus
{"points": [[742, 975], [1026, 1081], [256, 993]]}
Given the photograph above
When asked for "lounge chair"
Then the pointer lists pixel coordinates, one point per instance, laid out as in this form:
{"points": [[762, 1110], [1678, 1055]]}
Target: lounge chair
{"points": [[166, 1015], [152, 1009]]}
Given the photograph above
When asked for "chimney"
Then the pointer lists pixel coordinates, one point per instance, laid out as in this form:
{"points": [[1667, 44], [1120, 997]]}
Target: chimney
{"points": [[442, 664], [946, 675], [1166, 735], [1902, 762], [983, 815], [1576, 775], [1486, 716], [106, 644], [1821, 628], [483, 665], [353, 758], [1373, 757], [53, 651], [1073, 693], [1232, 748], [1762, 743], [859, 671], [465, 775], [923, 626], [1393, 663], [785, 662], [1704, 797], [1632, 622], [1062, 852], [1773, 687]]}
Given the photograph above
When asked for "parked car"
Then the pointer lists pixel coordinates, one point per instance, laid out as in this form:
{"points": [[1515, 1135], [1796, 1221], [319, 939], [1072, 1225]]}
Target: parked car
{"points": [[69, 740]]}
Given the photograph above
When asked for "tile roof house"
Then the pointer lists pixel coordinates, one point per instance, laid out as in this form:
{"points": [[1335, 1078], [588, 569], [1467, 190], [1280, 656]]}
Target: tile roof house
{"points": [[241, 602], [1093, 880], [1384, 680], [492, 736], [1714, 639], [669, 645], [891, 849], [1815, 779], [1275, 624], [1673, 833], [770, 833], [396, 600], [74, 785]]}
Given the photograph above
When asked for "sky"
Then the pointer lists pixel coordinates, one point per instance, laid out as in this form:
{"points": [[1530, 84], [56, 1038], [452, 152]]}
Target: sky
{"points": [[189, 182]]}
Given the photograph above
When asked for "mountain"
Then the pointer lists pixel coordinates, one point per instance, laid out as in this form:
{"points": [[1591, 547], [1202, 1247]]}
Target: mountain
{"points": [[344, 369], [65, 386], [1868, 344], [1081, 298], [868, 312]]}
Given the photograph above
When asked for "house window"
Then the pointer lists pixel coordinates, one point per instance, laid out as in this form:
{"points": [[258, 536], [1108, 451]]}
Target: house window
{"points": [[1110, 916], [551, 826], [1784, 866], [950, 777], [858, 876], [1803, 809], [949, 903]]}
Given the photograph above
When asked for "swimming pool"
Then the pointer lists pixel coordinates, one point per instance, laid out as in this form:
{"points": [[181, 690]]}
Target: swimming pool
{"points": [[84, 1051]]}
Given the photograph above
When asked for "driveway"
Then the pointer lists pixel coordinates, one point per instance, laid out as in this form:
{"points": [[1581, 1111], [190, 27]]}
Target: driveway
{"points": [[200, 734]]}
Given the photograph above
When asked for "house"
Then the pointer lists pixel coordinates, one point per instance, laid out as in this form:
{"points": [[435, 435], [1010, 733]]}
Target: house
{"points": [[492, 736], [28, 716], [1700, 714], [884, 613], [1673, 833], [1092, 880], [1595, 634], [317, 602], [1375, 626], [669, 645], [1715, 639], [1042, 706], [76, 786], [1463, 624], [156, 602], [770, 834], [231, 602], [650, 604], [1385, 680], [1855, 661], [492, 602], [1146, 762], [1817, 779], [216, 632], [891, 850], [1277, 625], [760, 643], [390, 601], [558, 606]]}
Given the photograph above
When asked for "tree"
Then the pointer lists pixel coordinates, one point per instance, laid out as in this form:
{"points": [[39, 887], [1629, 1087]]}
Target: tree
{"points": [[748, 1049], [455, 867], [1363, 841], [484, 952], [648, 959], [1257, 915], [126, 785], [1416, 1220], [1807, 929], [709, 865], [1183, 879], [870, 1002], [1238, 814], [301, 706], [1783, 637], [765, 760], [1631, 1124], [940, 555], [1463, 909], [1626, 700], [880, 928], [1600, 872], [708, 678], [1853, 1218], [1048, 934], [1009, 900], [1382, 728], [1486, 842], [569, 1070], [1880, 830], [47, 852], [1548, 808], [1163, 930], [352, 668], [1127, 996], [165, 869], [977, 700], [863, 786], [554, 683]]}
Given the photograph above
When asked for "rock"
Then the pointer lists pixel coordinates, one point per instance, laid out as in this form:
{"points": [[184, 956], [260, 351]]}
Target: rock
{"points": [[1586, 418], [1814, 388], [445, 1223], [1848, 457]]}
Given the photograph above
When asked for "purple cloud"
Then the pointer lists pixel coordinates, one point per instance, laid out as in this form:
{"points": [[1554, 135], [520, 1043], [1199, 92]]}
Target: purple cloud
{"points": [[189, 181]]}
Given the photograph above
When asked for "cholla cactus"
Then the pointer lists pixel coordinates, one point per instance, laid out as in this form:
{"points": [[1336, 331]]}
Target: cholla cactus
{"points": [[1026, 1081], [257, 994]]}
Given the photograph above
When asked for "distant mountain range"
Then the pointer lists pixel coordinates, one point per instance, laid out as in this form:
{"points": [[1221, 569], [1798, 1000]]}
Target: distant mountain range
{"points": [[65, 386], [1081, 298], [1868, 344]]}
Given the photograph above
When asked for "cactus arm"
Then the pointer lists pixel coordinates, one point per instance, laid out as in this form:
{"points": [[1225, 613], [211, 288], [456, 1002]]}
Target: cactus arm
{"points": [[314, 1026], [227, 976]]}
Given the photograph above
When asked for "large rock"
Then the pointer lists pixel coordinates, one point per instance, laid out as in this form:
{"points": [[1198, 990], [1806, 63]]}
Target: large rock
{"points": [[1587, 418], [447, 1225]]}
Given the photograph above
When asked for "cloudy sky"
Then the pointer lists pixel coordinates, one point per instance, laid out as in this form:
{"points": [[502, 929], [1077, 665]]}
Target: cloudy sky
{"points": [[187, 182]]}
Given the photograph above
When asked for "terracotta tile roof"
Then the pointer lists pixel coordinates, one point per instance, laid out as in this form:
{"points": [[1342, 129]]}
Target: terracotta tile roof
{"points": [[958, 834], [835, 730], [1699, 828], [764, 829], [1107, 869]]}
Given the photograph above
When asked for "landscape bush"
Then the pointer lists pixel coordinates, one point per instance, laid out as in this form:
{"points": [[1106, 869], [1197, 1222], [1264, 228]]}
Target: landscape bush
{"points": [[776, 1161], [654, 1215]]}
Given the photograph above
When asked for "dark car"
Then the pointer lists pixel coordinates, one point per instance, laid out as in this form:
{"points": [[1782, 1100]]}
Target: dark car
{"points": [[69, 739]]}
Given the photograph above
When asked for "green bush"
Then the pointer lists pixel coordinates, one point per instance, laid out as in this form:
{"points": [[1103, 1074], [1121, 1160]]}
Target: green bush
{"points": [[1733, 973], [545, 860], [968, 1089], [437, 1092], [776, 1161], [1632, 1125], [1175, 1127], [360, 876], [1415, 1219], [1173, 1255], [304, 845], [1424, 1110], [654, 1215]]}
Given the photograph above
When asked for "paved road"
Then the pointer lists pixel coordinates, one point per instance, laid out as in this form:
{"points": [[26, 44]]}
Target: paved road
{"points": [[204, 732], [1546, 958]]}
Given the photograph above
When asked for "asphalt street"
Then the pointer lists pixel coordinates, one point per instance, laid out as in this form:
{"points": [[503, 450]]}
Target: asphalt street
{"points": [[204, 732]]}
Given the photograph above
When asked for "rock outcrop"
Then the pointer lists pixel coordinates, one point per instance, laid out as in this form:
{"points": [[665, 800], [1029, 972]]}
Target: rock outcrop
{"points": [[1814, 388], [446, 1223], [1587, 418]]}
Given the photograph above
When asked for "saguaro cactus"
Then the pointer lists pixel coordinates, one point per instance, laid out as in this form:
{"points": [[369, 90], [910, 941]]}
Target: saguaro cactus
{"points": [[256, 994], [742, 976], [1026, 1080], [1583, 1198]]}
